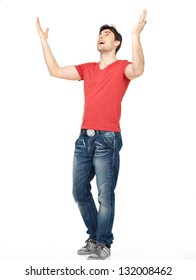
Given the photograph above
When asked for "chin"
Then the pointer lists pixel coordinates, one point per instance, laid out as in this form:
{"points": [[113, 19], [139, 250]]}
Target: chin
{"points": [[99, 50]]}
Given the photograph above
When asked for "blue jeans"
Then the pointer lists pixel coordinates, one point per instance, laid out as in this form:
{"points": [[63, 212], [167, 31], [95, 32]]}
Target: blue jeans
{"points": [[98, 156]]}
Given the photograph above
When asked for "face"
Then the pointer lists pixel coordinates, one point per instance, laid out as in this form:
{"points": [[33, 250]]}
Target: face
{"points": [[106, 41]]}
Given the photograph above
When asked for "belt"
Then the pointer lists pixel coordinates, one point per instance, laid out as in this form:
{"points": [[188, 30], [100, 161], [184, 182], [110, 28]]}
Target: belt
{"points": [[92, 132]]}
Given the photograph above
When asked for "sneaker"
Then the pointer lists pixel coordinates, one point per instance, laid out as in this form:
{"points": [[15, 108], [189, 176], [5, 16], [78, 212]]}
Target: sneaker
{"points": [[101, 253], [89, 248]]}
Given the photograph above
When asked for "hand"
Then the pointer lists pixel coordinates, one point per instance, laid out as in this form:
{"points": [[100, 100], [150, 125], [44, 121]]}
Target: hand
{"points": [[140, 24], [42, 34]]}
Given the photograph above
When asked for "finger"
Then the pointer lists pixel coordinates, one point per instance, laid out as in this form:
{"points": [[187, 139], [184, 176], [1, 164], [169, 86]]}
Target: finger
{"points": [[144, 15], [139, 20], [47, 30], [38, 23]]}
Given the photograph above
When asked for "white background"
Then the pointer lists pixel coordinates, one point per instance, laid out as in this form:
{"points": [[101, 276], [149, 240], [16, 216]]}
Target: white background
{"points": [[40, 118]]}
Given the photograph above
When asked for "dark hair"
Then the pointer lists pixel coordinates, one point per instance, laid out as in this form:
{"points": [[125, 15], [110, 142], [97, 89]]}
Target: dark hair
{"points": [[117, 35]]}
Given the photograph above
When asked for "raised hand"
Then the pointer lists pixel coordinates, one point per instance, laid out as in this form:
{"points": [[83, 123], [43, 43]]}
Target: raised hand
{"points": [[140, 23], [42, 34]]}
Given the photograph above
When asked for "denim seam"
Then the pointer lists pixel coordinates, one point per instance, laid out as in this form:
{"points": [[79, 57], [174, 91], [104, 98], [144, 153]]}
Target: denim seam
{"points": [[111, 181], [89, 205]]}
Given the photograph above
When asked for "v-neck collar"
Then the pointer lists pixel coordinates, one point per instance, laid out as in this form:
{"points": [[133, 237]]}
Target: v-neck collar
{"points": [[101, 69]]}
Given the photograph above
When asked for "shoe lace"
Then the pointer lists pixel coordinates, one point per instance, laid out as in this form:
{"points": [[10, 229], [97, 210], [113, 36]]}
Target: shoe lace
{"points": [[101, 247], [88, 242]]}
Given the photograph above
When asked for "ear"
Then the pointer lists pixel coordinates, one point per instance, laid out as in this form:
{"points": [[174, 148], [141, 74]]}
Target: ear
{"points": [[116, 43]]}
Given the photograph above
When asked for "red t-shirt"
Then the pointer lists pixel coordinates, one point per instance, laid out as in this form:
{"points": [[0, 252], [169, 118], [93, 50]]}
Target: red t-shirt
{"points": [[103, 91]]}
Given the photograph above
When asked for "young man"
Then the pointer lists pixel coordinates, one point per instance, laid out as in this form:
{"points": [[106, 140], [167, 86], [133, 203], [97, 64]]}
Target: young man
{"points": [[99, 143]]}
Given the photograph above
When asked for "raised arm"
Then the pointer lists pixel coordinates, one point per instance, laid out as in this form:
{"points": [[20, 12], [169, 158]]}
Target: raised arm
{"points": [[136, 69], [66, 72]]}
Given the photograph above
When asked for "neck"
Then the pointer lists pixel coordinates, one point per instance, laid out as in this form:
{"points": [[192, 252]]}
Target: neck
{"points": [[106, 59]]}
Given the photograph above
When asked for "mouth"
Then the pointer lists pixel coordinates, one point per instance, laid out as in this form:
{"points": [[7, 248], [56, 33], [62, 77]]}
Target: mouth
{"points": [[101, 42]]}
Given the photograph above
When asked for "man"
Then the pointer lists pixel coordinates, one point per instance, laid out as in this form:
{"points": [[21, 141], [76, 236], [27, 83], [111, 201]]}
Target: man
{"points": [[99, 143]]}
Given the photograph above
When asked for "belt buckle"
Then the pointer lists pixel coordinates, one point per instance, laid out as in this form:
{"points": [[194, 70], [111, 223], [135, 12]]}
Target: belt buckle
{"points": [[90, 132]]}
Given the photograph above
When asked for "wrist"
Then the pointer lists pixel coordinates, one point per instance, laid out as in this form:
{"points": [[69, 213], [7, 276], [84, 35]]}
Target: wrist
{"points": [[44, 41], [135, 35]]}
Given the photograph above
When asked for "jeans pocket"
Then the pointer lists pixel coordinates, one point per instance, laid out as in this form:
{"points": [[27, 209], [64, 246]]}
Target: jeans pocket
{"points": [[120, 142], [80, 142], [109, 139]]}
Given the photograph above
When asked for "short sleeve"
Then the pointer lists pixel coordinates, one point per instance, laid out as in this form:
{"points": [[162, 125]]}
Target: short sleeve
{"points": [[80, 70]]}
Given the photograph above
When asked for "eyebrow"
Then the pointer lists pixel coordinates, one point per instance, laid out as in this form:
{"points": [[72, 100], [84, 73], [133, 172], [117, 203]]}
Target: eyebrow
{"points": [[106, 31]]}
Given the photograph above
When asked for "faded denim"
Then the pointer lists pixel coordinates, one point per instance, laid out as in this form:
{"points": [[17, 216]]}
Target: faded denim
{"points": [[97, 156]]}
